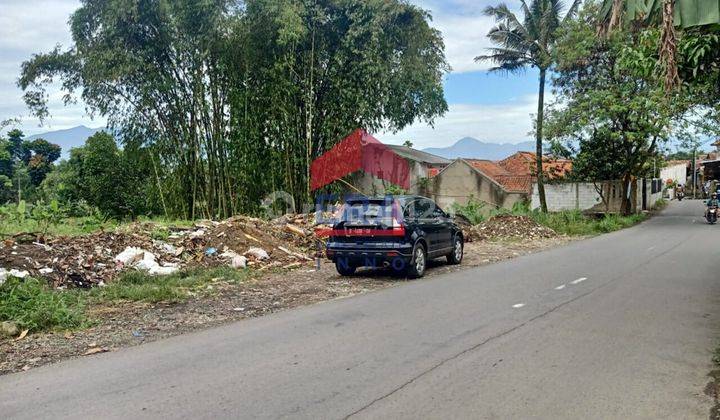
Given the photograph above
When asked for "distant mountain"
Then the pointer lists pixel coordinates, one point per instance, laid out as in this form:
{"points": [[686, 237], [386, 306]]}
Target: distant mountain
{"points": [[67, 139], [469, 147]]}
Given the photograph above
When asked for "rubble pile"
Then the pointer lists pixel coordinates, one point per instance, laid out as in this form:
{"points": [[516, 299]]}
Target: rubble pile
{"points": [[95, 259], [510, 226]]}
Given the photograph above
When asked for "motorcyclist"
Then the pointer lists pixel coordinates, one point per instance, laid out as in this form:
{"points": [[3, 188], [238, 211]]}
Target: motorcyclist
{"points": [[713, 201], [679, 190]]}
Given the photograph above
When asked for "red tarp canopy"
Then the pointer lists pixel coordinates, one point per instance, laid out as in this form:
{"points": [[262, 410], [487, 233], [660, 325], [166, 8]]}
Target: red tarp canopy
{"points": [[358, 151]]}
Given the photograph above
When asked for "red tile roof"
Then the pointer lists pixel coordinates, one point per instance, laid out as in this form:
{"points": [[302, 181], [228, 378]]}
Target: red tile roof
{"points": [[516, 183], [488, 167], [509, 181], [523, 163]]}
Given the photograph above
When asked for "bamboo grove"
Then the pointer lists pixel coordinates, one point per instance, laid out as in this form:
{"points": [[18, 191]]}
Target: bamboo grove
{"points": [[229, 101]]}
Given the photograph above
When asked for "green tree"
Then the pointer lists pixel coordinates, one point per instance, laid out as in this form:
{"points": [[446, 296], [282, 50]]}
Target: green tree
{"points": [[612, 111], [17, 146], [693, 15], [529, 43], [99, 172], [235, 102], [42, 156], [317, 70]]}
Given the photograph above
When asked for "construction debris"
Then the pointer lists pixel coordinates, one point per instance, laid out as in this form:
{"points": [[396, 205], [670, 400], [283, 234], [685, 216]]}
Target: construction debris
{"points": [[96, 259], [509, 226]]}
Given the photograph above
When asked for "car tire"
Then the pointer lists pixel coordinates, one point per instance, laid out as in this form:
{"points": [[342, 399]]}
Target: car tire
{"points": [[456, 255], [418, 262], [345, 269]]}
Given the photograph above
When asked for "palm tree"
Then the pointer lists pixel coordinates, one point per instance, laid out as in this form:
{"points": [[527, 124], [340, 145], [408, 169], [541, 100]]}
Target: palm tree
{"points": [[529, 43]]}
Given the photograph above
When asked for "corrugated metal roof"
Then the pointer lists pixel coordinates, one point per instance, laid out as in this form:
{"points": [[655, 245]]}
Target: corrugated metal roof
{"points": [[418, 155]]}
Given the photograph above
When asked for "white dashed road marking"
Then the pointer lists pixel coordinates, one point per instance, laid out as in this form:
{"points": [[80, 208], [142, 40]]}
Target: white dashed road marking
{"points": [[518, 305], [580, 280], [562, 286]]}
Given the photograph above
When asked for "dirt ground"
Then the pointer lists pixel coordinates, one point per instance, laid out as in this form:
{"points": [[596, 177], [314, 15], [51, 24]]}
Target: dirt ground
{"points": [[130, 324]]}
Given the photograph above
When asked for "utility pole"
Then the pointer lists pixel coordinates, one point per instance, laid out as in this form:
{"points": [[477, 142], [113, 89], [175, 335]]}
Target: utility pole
{"points": [[694, 170]]}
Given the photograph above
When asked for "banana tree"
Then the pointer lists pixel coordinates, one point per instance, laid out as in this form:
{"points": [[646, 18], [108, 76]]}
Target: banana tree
{"points": [[669, 15]]}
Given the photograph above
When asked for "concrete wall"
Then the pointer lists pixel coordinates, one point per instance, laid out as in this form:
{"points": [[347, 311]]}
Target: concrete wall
{"points": [[459, 181], [677, 173], [370, 185], [584, 196]]}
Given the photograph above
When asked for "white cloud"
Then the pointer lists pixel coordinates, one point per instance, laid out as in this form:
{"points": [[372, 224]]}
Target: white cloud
{"points": [[35, 26], [464, 28], [502, 123], [465, 38], [27, 28]]}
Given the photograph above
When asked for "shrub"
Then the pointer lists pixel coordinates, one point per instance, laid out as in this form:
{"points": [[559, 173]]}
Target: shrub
{"points": [[34, 306], [475, 210]]}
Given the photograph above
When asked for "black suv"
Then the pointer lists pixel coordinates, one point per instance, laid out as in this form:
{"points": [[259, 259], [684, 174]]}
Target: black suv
{"points": [[402, 232]]}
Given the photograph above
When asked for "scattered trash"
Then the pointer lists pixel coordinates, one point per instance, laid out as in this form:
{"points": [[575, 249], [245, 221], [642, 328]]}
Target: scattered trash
{"points": [[22, 335], [166, 247], [197, 234], [8, 329], [238, 261], [21, 274], [147, 263], [95, 350], [96, 259], [258, 253], [129, 256], [292, 265], [162, 271]]}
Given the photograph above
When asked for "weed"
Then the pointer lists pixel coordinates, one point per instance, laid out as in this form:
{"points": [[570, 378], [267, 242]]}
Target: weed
{"points": [[475, 210], [142, 287], [160, 233], [34, 306]]}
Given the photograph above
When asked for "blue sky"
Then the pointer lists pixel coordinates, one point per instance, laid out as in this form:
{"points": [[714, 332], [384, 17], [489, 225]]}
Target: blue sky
{"points": [[490, 107]]}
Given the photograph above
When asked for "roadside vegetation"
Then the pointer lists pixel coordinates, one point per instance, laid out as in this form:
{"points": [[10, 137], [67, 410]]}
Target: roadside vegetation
{"points": [[567, 222], [32, 305]]}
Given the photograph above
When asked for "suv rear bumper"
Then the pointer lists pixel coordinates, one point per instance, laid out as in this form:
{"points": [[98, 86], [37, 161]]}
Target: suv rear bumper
{"points": [[370, 254]]}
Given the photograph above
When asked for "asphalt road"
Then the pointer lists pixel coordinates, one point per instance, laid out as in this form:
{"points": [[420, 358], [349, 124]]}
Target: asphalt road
{"points": [[618, 326]]}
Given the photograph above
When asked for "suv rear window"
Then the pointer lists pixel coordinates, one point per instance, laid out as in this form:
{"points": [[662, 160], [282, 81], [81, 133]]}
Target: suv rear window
{"points": [[370, 213]]}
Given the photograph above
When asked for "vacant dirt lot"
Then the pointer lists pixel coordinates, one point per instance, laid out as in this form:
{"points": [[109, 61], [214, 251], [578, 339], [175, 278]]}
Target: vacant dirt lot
{"points": [[127, 324]]}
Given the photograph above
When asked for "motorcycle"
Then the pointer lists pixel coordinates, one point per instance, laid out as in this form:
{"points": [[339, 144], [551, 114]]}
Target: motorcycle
{"points": [[711, 215], [680, 195]]}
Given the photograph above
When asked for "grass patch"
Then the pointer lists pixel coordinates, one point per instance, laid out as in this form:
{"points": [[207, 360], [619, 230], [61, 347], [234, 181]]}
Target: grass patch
{"points": [[137, 286], [74, 226], [32, 305], [71, 226], [575, 223]]}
